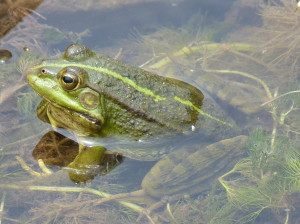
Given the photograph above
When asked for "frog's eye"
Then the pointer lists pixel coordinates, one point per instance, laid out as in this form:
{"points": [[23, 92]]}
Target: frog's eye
{"points": [[77, 52], [69, 78]]}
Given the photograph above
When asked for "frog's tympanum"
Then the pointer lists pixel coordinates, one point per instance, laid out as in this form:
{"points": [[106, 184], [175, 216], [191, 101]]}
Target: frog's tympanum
{"points": [[151, 117]]}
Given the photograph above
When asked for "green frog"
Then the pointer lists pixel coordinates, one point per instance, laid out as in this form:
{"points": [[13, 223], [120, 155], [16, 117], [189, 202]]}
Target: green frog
{"points": [[111, 106]]}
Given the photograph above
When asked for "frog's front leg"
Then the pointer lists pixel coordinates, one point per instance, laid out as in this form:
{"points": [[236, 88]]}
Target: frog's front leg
{"points": [[86, 165]]}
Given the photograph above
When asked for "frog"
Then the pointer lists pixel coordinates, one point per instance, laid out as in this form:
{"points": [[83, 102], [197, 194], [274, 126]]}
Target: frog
{"points": [[109, 106]]}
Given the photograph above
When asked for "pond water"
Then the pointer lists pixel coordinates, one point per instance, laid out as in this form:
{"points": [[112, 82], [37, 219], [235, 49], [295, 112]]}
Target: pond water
{"points": [[243, 57]]}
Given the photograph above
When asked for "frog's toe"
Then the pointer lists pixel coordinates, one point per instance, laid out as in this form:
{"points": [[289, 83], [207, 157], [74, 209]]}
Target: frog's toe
{"points": [[24, 165]]}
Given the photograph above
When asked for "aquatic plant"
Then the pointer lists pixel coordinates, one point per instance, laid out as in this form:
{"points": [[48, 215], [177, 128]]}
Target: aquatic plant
{"points": [[262, 181]]}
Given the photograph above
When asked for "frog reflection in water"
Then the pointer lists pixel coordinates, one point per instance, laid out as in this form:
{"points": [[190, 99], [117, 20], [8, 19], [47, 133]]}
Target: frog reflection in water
{"points": [[97, 96]]}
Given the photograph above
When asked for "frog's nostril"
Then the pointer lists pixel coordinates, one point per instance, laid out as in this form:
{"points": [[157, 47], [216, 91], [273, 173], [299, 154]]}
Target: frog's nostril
{"points": [[44, 72]]}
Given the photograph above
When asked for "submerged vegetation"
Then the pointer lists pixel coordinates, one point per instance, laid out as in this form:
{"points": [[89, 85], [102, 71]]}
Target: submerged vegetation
{"points": [[265, 180], [265, 185]]}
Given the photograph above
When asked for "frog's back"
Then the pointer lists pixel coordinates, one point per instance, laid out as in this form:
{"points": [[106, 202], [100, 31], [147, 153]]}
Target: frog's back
{"points": [[169, 102]]}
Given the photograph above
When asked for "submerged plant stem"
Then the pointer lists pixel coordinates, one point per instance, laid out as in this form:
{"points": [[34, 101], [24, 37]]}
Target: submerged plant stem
{"points": [[4, 147], [2, 206], [72, 189], [171, 214], [250, 58], [203, 47], [271, 100], [273, 136], [261, 82], [287, 216]]}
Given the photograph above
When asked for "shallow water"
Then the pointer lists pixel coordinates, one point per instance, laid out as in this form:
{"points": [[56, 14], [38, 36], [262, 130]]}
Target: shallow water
{"points": [[183, 39]]}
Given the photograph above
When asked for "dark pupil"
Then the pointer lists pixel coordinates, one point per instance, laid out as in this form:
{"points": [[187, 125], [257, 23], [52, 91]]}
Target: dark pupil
{"points": [[68, 79]]}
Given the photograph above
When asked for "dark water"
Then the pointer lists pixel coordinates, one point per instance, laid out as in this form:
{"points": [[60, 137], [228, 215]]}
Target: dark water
{"points": [[155, 35], [110, 25]]}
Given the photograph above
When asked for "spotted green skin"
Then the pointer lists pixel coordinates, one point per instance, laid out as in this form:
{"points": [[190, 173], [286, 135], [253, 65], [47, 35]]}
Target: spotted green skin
{"points": [[119, 101]]}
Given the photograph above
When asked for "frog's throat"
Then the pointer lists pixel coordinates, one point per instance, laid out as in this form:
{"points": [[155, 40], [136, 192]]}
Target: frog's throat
{"points": [[57, 122], [137, 87]]}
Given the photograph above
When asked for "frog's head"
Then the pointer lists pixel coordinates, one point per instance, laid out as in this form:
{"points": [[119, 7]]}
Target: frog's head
{"points": [[70, 103]]}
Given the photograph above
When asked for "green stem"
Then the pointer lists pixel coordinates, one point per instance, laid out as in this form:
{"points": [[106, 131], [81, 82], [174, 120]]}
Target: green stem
{"points": [[2, 206], [3, 148], [261, 82], [275, 98], [72, 189], [287, 216], [203, 47]]}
